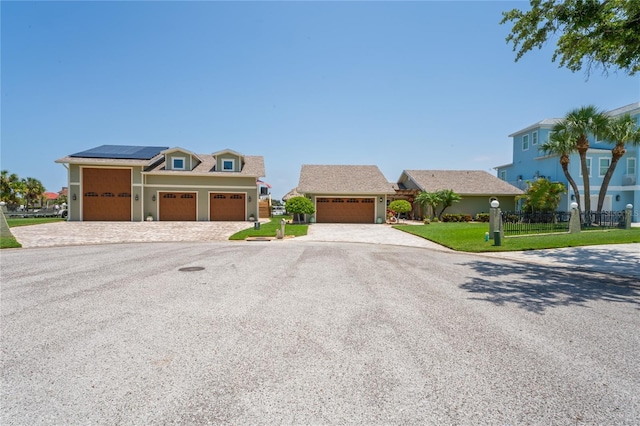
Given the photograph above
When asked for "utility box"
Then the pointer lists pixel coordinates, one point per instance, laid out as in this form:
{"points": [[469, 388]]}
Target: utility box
{"points": [[256, 225]]}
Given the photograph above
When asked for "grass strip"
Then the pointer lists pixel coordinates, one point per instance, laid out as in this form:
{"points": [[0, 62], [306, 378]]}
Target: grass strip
{"points": [[269, 229], [19, 221], [470, 237]]}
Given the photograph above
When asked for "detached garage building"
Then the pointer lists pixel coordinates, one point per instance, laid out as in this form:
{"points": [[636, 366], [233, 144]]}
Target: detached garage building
{"points": [[132, 183], [346, 194]]}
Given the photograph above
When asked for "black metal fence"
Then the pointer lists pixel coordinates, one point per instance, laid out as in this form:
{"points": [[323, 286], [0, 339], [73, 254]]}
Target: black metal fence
{"points": [[522, 223]]}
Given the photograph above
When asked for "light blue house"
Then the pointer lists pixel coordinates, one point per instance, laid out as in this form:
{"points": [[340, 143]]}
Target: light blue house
{"points": [[530, 163]]}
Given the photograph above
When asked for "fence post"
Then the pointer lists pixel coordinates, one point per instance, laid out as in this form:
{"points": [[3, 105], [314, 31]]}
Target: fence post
{"points": [[627, 216], [574, 221]]}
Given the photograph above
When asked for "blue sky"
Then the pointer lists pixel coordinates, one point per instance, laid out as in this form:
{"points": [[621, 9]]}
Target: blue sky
{"points": [[402, 85]]}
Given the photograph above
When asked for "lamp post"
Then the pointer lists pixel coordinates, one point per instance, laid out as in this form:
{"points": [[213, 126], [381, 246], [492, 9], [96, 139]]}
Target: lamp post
{"points": [[495, 222]]}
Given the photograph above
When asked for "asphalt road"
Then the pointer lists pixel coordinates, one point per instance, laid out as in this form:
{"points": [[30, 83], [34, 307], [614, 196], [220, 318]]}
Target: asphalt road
{"points": [[314, 333]]}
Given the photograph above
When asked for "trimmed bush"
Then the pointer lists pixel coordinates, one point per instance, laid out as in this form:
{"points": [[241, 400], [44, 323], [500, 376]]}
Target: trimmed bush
{"points": [[482, 217], [459, 217]]}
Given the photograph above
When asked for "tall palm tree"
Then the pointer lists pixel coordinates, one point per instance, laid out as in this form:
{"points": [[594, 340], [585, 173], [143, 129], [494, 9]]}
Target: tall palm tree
{"points": [[561, 143], [33, 190], [621, 131], [580, 123]]}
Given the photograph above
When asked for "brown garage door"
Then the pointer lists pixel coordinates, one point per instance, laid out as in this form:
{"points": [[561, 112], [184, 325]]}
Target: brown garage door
{"points": [[106, 194], [225, 206], [179, 206], [345, 210]]}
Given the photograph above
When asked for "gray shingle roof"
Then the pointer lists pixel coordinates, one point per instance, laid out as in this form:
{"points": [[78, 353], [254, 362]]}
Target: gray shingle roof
{"points": [[464, 182], [347, 179]]}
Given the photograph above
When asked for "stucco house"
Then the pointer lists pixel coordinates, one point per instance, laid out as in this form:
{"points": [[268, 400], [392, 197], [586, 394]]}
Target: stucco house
{"points": [[476, 187], [345, 193], [531, 163], [133, 183]]}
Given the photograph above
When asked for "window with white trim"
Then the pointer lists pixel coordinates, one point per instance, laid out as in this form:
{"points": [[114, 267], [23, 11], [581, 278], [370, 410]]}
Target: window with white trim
{"points": [[534, 138], [177, 163], [525, 142], [631, 166], [228, 165], [588, 167], [604, 166]]}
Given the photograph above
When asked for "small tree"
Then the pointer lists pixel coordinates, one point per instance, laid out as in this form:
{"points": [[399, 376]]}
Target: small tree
{"points": [[542, 195], [400, 206], [428, 201], [447, 198], [299, 206]]}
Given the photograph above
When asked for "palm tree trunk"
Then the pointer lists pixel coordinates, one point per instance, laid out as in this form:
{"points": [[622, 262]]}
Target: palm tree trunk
{"points": [[582, 146], [573, 184], [607, 178]]}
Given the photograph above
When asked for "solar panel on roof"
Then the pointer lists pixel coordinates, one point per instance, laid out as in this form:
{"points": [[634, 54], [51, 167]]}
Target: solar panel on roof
{"points": [[129, 152]]}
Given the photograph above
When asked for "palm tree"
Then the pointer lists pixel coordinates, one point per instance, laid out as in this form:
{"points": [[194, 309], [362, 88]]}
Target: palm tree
{"points": [[622, 130], [562, 143], [428, 201], [33, 190], [8, 192], [447, 198], [580, 123]]}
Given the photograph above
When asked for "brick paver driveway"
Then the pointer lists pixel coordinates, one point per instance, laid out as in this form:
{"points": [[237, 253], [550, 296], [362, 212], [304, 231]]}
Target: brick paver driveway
{"points": [[79, 233]]}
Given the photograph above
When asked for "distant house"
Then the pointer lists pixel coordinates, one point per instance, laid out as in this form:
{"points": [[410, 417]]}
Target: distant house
{"points": [[132, 183], [530, 163], [345, 193], [476, 187]]}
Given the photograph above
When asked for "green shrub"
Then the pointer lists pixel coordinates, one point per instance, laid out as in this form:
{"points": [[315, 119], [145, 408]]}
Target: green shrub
{"points": [[459, 217], [482, 217]]}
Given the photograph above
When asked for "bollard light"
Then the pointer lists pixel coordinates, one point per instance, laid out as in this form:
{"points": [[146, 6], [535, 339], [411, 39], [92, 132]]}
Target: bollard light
{"points": [[574, 205], [495, 204], [629, 206]]}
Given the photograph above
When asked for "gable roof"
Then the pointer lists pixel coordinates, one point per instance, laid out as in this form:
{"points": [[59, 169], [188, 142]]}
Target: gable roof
{"points": [[253, 166], [184, 151], [348, 179], [463, 182]]}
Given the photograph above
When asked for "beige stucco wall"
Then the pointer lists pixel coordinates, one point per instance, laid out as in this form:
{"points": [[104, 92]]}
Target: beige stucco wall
{"points": [[201, 186], [480, 204], [146, 186]]}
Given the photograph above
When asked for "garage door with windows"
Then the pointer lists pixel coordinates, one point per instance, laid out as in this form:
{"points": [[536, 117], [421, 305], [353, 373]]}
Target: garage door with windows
{"points": [[106, 194], [345, 210], [177, 206], [227, 206]]}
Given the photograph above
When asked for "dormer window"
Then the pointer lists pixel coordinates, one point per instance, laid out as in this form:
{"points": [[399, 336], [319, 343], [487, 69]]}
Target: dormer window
{"points": [[177, 163], [228, 165]]}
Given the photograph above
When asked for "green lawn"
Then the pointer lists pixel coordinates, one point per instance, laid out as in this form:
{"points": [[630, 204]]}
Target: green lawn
{"points": [[269, 229], [9, 242], [19, 221], [470, 237]]}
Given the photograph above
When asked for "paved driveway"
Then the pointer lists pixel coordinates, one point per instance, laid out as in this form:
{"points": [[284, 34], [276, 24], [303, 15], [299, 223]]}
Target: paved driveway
{"points": [[81, 233]]}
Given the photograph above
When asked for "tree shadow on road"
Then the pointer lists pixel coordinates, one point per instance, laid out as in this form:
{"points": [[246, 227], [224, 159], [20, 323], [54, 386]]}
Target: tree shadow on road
{"points": [[537, 288]]}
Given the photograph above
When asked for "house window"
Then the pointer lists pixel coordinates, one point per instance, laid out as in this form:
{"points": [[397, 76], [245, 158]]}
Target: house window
{"points": [[177, 163], [588, 167], [503, 174], [228, 165], [604, 166], [631, 166], [525, 142], [534, 138]]}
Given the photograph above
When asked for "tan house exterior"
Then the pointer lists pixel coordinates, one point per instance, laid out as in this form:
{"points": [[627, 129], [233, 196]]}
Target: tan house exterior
{"points": [[161, 183], [477, 188], [345, 193]]}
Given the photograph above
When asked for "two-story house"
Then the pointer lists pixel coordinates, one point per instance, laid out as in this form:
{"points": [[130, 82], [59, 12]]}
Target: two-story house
{"points": [[136, 183], [531, 163]]}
